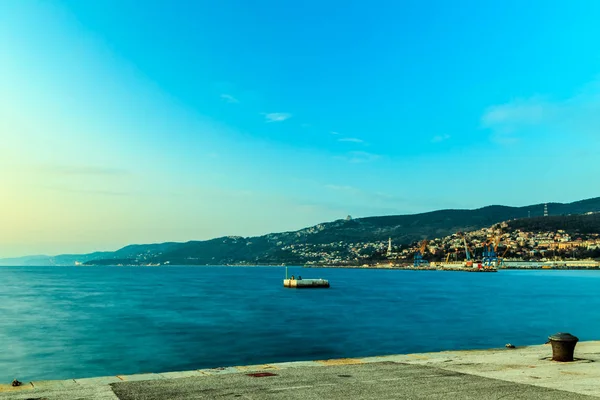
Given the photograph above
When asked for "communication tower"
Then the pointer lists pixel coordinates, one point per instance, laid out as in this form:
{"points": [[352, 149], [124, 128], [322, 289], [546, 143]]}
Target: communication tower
{"points": [[545, 210]]}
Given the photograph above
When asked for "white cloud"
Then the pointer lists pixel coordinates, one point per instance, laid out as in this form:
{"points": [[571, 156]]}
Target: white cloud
{"points": [[335, 133], [229, 98], [277, 117], [440, 138], [351, 140]]}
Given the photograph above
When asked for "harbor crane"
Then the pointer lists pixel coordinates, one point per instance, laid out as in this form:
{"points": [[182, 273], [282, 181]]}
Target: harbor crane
{"points": [[490, 255], [469, 260], [419, 260], [501, 258]]}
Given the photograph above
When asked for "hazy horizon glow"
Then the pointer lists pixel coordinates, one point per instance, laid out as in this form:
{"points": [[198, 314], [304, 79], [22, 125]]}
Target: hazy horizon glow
{"points": [[185, 121]]}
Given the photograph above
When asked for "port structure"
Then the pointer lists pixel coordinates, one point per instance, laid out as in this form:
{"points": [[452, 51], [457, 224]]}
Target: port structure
{"points": [[501, 258], [419, 261], [490, 255], [469, 260], [469, 254]]}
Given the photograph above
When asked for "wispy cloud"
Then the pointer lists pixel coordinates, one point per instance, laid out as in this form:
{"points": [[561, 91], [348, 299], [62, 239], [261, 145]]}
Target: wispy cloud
{"points": [[381, 200], [440, 138], [87, 191], [356, 157], [390, 197], [342, 188], [505, 137], [362, 156], [229, 98], [530, 111], [514, 121], [277, 117], [351, 140], [507, 121], [334, 133], [83, 170]]}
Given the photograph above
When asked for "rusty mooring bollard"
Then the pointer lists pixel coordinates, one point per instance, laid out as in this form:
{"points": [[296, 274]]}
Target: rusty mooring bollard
{"points": [[563, 346]]}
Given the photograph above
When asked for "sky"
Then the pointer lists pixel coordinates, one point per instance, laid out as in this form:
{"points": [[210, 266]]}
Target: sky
{"points": [[125, 122]]}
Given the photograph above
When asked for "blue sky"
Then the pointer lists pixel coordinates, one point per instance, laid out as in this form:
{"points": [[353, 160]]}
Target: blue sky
{"points": [[123, 123]]}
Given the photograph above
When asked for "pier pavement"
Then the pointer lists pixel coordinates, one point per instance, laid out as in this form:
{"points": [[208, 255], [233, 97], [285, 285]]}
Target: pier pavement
{"points": [[521, 373]]}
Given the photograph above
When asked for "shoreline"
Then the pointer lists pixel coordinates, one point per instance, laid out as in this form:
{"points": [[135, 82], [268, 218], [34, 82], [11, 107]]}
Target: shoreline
{"points": [[371, 267], [457, 269]]}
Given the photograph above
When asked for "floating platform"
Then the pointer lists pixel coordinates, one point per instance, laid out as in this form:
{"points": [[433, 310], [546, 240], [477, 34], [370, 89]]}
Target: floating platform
{"points": [[306, 283]]}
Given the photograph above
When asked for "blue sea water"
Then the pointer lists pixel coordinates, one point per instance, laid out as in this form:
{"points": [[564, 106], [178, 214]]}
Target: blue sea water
{"points": [[63, 322]]}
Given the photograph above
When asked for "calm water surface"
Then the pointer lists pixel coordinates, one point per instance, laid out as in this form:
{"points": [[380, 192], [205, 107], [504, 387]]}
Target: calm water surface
{"points": [[58, 323]]}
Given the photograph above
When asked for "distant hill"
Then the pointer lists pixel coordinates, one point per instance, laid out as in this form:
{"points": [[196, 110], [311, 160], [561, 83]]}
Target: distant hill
{"points": [[61, 260], [571, 224], [125, 253], [26, 261], [278, 248]]}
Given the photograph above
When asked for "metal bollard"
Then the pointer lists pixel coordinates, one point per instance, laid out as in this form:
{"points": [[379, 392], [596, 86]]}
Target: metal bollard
{"points": [[563, 346]]}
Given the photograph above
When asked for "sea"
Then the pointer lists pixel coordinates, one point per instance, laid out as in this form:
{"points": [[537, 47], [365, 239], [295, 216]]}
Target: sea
{"points": [[77, 322]]}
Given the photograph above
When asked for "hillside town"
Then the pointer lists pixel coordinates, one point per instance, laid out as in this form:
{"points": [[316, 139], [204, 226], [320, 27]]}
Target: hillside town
{"points": [[515, 245], [509, 245]]}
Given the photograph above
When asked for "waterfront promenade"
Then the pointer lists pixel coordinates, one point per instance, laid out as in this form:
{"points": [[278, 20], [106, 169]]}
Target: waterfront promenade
{"points": [[521, 373]]}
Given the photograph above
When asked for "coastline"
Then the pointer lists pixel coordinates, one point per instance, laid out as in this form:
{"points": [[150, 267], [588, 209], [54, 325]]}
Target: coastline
{"points": [[532, 266], [523, 266], [457, 269]]}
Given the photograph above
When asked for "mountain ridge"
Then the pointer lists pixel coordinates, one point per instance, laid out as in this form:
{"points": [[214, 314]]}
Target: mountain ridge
{"points": [[274, 248]]}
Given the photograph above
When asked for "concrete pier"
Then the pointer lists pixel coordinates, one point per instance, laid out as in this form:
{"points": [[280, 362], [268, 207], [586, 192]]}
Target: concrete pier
{"points": [[520, 373]]}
